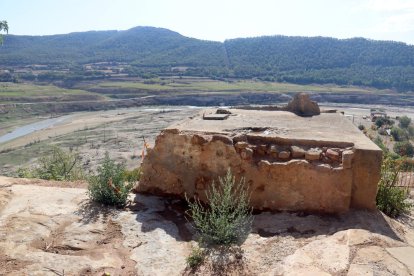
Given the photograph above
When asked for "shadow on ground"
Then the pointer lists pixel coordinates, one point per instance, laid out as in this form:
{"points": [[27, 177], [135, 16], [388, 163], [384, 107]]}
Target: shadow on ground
{"points": [[266, 224], [90, 212]]}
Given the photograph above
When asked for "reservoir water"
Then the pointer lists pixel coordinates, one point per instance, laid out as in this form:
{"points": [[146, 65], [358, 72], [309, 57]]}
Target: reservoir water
{"points": [[27, 129]]}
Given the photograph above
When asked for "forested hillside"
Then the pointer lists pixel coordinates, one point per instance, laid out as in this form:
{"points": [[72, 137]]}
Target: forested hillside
{"points": [[143, 45], [357, 61]]}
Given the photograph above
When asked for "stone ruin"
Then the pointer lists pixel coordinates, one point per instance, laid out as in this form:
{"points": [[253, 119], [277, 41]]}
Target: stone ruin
{"points": [[321, 163]]}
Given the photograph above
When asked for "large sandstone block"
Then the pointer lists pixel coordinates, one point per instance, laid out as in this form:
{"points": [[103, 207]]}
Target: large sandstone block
{"points": [[262, 147]]}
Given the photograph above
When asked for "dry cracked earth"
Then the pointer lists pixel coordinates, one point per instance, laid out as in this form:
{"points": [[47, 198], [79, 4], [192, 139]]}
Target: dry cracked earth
{"points": [[51, 228]]}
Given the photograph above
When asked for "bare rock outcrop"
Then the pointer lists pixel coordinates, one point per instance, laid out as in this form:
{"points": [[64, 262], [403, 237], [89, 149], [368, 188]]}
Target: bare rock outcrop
{"points": [[47, 230], [302, 105]]}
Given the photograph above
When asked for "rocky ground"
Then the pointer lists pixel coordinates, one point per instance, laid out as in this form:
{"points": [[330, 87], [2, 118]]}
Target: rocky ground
{"points": [[51, 228]]}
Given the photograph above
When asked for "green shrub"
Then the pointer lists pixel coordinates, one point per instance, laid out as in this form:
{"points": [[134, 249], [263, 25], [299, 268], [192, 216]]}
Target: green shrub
{"points": [[361, 127], [410, 130], [24, 173], [398, 134], [228, 218], [196, 257], [404, 148], [404, 122], [381, 121], [391, 199], [378, 141], [108, 186], [58, 165]]}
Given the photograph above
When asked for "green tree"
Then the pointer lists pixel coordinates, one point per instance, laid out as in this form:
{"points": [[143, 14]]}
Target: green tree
{"points": [[404, 148], [404, 122], [3, 27], [381, 121], [398, 134]]}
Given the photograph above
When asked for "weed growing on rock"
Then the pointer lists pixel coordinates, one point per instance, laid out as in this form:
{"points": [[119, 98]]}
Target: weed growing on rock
{"points": [[109, 186], [227, 219], [196, 257], [391, 199]]}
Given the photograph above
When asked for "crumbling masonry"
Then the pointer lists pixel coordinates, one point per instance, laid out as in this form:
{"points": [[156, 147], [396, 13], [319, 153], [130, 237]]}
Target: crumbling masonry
{"points": [[321, 163]]}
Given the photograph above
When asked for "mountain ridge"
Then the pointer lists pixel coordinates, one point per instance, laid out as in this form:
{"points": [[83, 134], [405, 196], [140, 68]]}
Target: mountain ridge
{"points": [[296, 59]]}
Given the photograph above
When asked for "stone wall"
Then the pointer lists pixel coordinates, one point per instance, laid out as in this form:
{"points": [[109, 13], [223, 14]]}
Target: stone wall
{"points": [[282, 174]]}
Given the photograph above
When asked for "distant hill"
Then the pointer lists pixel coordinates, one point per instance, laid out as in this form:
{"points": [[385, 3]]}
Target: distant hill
{"points": [[146, 46], [356, 61]]}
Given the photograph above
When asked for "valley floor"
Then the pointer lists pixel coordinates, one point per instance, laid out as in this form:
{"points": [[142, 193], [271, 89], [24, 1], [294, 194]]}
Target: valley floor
{"points": [[51, 228]]}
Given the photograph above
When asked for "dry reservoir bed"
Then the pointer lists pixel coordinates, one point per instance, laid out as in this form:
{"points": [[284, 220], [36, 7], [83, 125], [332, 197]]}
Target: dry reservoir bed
{"points": [[120, 132]]}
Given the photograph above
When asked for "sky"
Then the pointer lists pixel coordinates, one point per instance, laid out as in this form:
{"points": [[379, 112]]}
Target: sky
{"points": [[217, 19]]}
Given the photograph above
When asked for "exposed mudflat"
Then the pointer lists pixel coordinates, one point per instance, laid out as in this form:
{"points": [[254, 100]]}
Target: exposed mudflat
{"points": [[120, 132], [49, 229]]}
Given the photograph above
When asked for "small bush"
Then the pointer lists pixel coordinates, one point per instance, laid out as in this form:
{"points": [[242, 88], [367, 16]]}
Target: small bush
{"points": [[404, 148], [391, 199], [381, 121], [58, 165], [361, 127], [196, 257], [378, 141], [398, 134], [410, 131], [404, 122], [228, 218], [108, 186]]}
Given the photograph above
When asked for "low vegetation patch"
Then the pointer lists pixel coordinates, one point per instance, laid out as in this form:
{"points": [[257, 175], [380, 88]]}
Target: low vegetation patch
{"points": [[222, 224], [59, 165], [109, 185], [227, 219], [392, 199], [196, 257]]}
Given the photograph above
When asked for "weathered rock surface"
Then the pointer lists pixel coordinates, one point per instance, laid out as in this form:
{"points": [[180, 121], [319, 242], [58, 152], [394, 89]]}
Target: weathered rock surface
{"points": [[46, 230], [302, 105], [50, 230]]}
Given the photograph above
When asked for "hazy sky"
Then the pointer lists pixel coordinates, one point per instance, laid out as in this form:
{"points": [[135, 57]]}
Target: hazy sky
{"points": [[217, 19]]}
